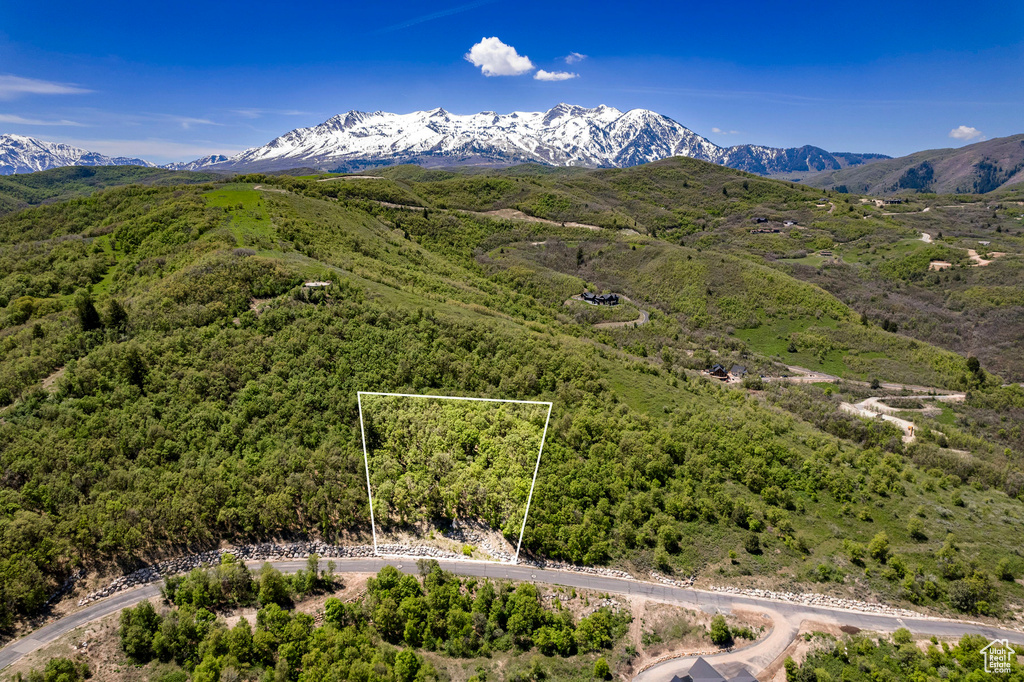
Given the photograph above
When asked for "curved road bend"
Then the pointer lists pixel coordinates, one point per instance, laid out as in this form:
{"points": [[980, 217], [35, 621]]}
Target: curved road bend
{"points": [[759, 655]]}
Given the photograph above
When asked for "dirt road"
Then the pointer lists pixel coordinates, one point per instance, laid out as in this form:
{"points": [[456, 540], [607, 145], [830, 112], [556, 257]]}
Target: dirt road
{"points": [[863, 410]]}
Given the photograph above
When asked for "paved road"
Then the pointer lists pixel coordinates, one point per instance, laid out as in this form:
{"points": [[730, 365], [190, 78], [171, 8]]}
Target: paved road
{"points": [[643, 319], [791, 614]]}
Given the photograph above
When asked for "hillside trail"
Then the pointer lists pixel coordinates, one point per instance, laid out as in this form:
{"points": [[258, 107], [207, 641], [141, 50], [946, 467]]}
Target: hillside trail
{"points": [[976, 260], [513, 214], [261, 188], [353, 177], [804, 375], [503, 213], [923, 210], [979, 261]]}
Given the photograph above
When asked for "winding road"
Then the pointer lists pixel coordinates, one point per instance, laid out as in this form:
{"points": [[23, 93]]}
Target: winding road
{"points": [[786, 616]]}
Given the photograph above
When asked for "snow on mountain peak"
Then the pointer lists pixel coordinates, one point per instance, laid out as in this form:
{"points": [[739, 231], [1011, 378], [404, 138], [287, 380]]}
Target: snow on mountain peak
{"points": [[565, 135], [21, 154]]}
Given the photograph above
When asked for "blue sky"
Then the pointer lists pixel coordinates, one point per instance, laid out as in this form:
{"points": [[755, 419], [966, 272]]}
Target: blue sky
{"points": [[174, 81]]}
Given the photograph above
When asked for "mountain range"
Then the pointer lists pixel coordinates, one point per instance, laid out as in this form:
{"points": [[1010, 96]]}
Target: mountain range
{"points": [[977, 168], [20, 154], [566, 135]]}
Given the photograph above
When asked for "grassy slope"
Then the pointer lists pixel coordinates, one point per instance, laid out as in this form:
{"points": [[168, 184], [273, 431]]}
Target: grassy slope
{"points": [[955, 170], [246, 425], [682, 201], [58, 184]]}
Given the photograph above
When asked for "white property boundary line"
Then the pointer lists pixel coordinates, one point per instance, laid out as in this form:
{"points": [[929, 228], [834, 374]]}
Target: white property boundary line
{"points": [[366, 459]]}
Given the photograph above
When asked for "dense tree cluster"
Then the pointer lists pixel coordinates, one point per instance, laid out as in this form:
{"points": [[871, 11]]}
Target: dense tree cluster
{"points": [[376, 637], [445, 459], [862, 659]]}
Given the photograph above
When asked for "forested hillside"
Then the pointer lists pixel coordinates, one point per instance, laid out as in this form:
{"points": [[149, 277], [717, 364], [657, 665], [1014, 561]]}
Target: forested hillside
{"points": [[167, 381], [443, 459], [21, 191]]}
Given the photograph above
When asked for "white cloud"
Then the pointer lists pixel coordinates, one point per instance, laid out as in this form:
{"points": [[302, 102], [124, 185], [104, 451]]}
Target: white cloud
{"points": [[186, 122], [21, 120], [495, 58], [543, 75], [575, 57], [16, 86], [964, 133], [256, 113], [725, 132]]}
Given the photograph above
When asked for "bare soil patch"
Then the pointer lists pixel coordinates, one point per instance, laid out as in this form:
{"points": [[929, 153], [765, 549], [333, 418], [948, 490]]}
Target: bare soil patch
{"points": [[482, 541], [50, 382], [661, 631], [353, 177], [512, 214]]}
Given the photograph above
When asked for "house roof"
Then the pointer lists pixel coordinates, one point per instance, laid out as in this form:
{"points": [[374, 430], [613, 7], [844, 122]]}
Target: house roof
{"points": [[716, 366], [743, 677], [702, 671], [738, 369]]}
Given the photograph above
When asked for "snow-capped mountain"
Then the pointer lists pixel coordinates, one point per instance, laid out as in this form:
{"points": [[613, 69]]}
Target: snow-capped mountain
{"points": [[566, 135], [198, 163], [20, 154]]}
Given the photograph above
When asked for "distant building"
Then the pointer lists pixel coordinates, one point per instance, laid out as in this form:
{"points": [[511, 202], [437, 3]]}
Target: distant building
{"points": [[789, 223], [825, 253], [760, 220], [738, 371], [719, 372], [600, 299], [894, 201]]}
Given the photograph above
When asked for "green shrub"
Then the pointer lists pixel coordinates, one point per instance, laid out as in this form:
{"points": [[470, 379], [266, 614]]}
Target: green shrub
{"points": [[720, 633]]}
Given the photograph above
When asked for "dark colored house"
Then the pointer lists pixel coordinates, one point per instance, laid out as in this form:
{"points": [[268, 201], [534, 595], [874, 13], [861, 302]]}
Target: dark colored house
{"points": [[760, 220], [600, 299], [738, 371], [719, 371], [702, 671]]}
